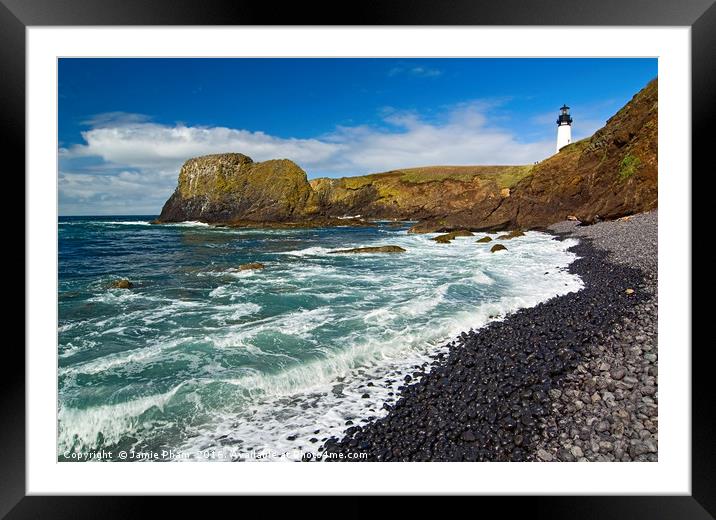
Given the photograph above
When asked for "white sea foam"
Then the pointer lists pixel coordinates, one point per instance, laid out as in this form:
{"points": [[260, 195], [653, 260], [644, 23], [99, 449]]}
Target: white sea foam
{"points": [[116, 296], [482, 278], [221, 291], [124, 222], [104, 223], [424, 304], [231, 272], [70, 325], [308, 251], [297, 323], [235, 311], [79, 428], [189, 223], [110, 361]]}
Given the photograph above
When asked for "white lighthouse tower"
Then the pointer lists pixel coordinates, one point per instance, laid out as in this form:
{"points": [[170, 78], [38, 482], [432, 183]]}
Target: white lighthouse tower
{"points": [[564, 128]]}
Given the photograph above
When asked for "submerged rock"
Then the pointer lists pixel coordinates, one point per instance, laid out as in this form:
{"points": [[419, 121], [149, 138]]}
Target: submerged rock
{"points": [[512, 234], [442, 239], [121, 284], [377, 249], [448, 237], [484, 240], [497, 247], [250, 266]]}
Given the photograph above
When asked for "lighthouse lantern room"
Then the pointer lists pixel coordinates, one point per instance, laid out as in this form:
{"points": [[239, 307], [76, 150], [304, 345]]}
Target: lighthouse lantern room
{"points": [[564, 128]]}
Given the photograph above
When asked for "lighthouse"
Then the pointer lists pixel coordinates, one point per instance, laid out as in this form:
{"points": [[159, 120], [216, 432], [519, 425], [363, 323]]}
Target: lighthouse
{"points": [[564, 128]]}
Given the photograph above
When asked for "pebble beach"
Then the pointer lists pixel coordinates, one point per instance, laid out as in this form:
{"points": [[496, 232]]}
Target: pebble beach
{"points": [[574, 378]]}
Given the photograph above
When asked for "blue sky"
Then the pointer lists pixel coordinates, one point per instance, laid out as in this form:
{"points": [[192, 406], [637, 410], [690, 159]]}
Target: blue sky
{"points": [[126, 125]]}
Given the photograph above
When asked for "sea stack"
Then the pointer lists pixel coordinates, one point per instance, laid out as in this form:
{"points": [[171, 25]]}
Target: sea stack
{"points": [[231, 186]]}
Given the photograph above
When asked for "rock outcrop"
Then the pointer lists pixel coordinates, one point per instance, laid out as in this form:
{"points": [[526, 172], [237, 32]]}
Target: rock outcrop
{"points": [[417, 193], [607, 176], [231, 187], [449, 237], [121, 284], [376, 249], [251, 266], [512, 234]]}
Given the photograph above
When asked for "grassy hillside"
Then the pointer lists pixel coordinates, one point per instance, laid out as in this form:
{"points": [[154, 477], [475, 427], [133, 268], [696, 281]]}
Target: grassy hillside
{"points": [[416, 193], [503, 176]]}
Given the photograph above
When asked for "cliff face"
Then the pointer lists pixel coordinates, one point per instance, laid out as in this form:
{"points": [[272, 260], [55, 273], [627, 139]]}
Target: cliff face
{"points": [[611, 174], [417, 193]]}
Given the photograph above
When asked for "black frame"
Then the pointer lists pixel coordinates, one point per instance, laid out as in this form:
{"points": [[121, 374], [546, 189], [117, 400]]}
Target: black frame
{"points": [[700, 15]]}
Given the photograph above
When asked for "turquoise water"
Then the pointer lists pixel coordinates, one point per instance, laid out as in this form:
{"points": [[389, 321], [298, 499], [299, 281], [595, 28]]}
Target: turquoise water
{"points": [[200, 357]]}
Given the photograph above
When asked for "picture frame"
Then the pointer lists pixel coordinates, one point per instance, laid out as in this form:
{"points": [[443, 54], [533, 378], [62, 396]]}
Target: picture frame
{"points": [[700, 15]]}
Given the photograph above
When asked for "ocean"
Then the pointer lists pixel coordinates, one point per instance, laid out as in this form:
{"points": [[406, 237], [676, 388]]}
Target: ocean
{"points": [[202, 361]]}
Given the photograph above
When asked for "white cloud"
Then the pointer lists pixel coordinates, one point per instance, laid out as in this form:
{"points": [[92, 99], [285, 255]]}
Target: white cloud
{"points": [[418, 71], [147, 145], [146, 156], [121, 193], [115, 118]]}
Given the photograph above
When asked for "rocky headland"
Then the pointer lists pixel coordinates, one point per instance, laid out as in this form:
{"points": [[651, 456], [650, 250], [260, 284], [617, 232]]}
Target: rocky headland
{"points": [[609, 175]]}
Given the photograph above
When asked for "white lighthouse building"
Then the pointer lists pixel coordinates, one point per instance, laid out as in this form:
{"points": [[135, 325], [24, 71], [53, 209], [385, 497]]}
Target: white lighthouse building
{"points": [[564, 128]]}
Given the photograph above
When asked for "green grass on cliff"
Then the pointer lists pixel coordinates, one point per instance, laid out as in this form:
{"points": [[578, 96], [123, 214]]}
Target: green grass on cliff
{"points": [[577, 146], [628, 167], [504, 176]]}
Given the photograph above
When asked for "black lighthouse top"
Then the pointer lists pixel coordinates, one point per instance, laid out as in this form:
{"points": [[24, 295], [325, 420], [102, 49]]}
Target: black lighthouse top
{"points": [[564, 117]]}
